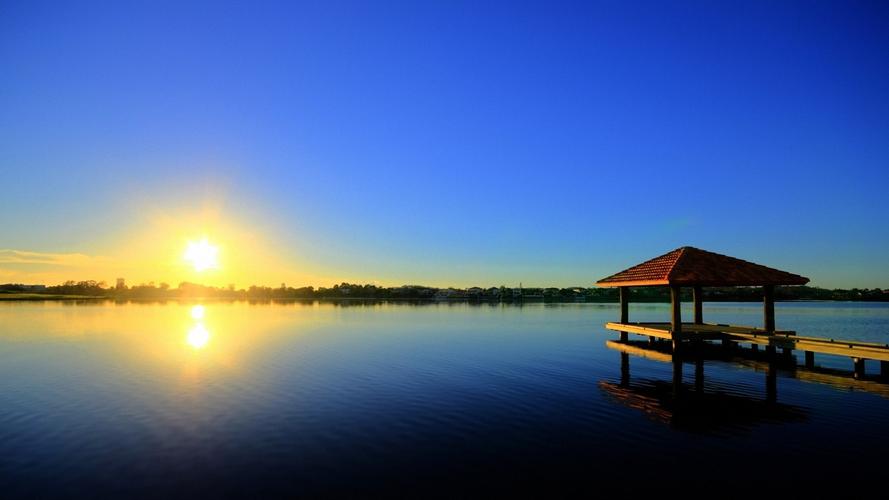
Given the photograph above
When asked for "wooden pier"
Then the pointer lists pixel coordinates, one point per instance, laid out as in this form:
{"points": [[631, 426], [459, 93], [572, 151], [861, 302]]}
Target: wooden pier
{"points": [[779, 339], [695, 268]]}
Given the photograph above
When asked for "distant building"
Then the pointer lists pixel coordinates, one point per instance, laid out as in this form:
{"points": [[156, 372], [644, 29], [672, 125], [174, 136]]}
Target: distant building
{"points": [[450, 294]]}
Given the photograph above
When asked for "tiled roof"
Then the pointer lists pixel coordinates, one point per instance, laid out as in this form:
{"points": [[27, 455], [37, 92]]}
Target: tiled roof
{"points": [[688, 266]]}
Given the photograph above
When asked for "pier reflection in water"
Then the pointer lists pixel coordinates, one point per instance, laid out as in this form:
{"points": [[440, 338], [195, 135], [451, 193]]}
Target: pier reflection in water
{"points": [[691, 407]]}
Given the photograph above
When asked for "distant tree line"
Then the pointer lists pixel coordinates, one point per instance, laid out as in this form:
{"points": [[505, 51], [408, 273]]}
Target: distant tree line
{"points": [[345, 291]]}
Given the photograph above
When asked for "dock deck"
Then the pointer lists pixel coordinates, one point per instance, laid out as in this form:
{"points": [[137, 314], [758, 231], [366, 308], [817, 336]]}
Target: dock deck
{"points": [[784, 339]]}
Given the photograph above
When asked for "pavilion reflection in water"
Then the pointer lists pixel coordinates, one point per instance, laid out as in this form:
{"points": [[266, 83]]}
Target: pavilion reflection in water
{"points": [[689, 406]]}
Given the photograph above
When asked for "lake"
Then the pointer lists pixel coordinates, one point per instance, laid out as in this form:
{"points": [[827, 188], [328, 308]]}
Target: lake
{"points": [[440, 399]]}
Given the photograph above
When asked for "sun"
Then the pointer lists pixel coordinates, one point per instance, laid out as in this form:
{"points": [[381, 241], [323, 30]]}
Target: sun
{"points": [[202, 255]]}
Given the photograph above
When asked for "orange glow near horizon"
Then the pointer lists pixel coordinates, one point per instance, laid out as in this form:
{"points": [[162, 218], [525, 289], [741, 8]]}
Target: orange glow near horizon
{"points": [[206, 246]]}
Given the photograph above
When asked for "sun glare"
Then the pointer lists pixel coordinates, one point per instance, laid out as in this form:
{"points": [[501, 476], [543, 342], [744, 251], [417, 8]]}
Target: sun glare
{"points": [[202, 255], [198, 336]]}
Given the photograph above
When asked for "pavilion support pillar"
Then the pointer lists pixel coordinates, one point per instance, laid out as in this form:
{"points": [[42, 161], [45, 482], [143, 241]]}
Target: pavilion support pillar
{"points": [[676, 317], [884, 369], [768, 308], [858, 363], [810, 359], [698, 295], [624, 294]]}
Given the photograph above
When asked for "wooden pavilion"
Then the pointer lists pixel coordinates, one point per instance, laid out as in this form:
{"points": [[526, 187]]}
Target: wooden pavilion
{"points": [[696, 268]]}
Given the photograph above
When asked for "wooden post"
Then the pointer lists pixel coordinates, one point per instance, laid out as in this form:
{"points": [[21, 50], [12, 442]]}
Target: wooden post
{"points": [[676, 316], [859, 367], [772, 383], [624, 295], [768, 307], [884, 369], [698, 294], [787, 353], [810, 359]]}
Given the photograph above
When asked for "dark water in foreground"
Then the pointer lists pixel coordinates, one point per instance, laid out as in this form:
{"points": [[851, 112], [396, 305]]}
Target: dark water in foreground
{"points": [[324, 399]]}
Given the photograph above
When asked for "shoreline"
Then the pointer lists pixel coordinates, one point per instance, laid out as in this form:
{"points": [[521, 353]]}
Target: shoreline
{"points": [[34, 297]]}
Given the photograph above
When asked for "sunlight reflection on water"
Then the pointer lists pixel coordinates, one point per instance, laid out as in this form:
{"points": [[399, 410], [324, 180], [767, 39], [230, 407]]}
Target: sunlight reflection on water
{"points": [[198, 336]]}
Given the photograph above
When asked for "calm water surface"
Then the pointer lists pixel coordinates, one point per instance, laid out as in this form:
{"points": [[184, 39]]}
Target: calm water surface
{"points": [[437, 399]]}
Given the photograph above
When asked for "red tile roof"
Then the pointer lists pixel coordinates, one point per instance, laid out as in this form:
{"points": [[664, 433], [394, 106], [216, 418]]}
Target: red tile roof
{"points": [[688, 266]]}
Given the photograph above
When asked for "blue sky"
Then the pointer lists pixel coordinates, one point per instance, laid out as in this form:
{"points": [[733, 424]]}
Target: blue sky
{"points": [[454, 144]]}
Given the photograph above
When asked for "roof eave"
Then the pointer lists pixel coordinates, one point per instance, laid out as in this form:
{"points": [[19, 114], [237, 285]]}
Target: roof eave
{"points": [[618, 284]]}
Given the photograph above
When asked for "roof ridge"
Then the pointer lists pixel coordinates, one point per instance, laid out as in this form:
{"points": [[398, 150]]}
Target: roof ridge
{"points": [[682, 252]]}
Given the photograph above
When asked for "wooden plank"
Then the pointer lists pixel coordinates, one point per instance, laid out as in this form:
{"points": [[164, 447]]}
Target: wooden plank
{"points": [[840, 350], [640, 330], [856, 343], [661, 330], [837, 348], [757, 336], [705, 328]]}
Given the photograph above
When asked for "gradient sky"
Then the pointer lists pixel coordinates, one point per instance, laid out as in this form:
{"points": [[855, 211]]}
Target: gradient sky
{"points": [[467, 143]]}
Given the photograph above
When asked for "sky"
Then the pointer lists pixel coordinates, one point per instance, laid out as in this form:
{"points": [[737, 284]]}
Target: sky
{"points": [[448, 144]]}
